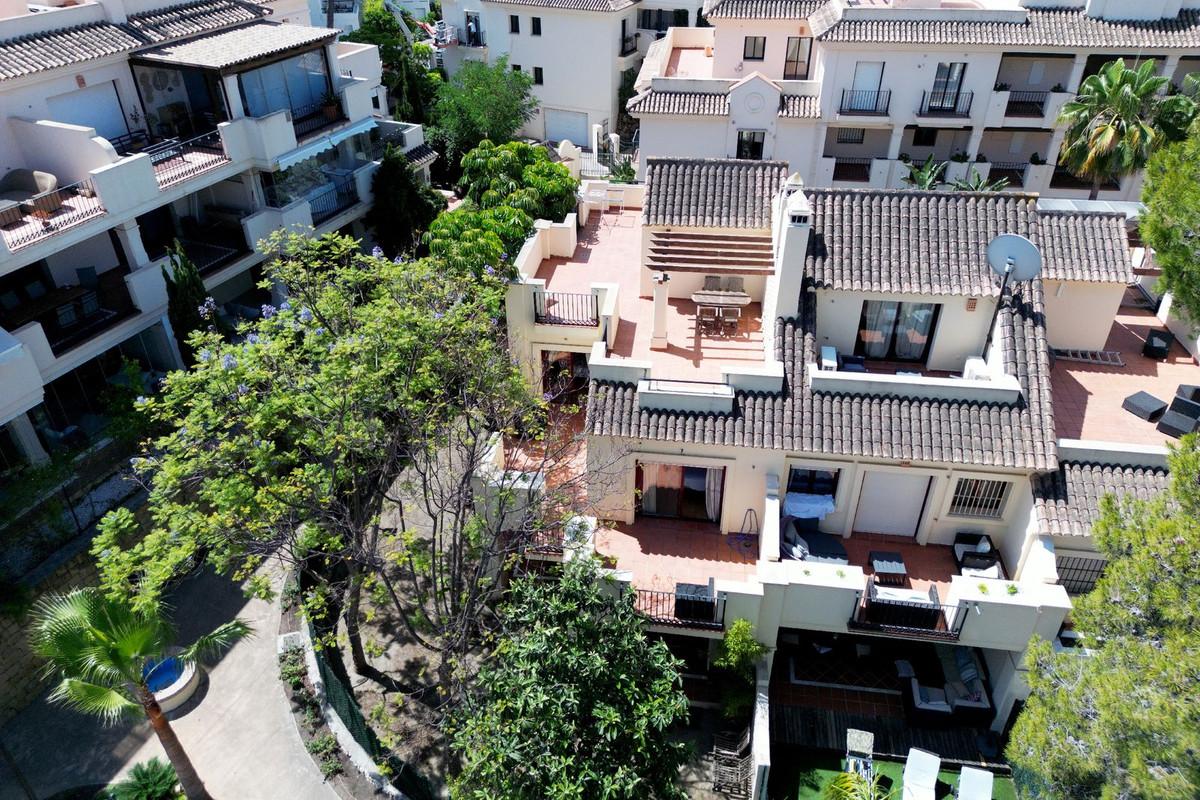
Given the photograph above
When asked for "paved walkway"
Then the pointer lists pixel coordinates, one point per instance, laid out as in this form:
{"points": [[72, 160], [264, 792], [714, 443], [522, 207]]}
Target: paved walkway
{"points": [[239, 733]]}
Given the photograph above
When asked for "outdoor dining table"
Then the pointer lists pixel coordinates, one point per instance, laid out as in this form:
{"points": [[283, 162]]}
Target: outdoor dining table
{"points": [[721, 299]]}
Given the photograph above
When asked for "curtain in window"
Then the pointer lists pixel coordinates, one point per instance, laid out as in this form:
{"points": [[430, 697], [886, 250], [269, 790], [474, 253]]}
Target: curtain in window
{"points": [[879, 319], [293, 83], [650, 488], [714, 483], [912, 329]]}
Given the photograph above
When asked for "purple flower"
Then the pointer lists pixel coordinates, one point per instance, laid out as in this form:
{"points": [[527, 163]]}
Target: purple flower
{"points": [[207, 308], [488, 269], [140, 401], [242, 388], [319, 331], [206, 355], [548, 396], [438, 315], [268, 310], [228, 361], [306, 315], [252, 338], [398, 260], [504, 256], [285, 306], [377, 251]]}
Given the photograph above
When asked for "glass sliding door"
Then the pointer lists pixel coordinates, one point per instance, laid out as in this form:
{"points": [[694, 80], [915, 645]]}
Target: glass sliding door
{"points": [[896, 331], [946, 85], [673, 490]]}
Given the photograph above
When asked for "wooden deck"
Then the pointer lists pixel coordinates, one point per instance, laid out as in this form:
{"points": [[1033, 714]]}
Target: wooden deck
{"points": [[795, 726]]}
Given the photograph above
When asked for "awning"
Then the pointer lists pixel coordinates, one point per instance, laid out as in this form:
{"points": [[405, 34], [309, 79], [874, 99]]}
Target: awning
{"points": [[324, 143]]}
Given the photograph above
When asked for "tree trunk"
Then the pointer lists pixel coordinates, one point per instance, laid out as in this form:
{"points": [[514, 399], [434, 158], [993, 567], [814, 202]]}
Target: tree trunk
{"points": [[357, 654], [193, 787], [1095, 193]]}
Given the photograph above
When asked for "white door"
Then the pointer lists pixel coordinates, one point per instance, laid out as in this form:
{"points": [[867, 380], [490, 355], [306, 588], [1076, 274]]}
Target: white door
{"points": [[891, 503], [571, 125], [96, 107]]}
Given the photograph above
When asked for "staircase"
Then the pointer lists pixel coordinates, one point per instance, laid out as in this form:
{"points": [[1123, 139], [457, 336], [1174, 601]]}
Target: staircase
{"points": [[709, 252]]}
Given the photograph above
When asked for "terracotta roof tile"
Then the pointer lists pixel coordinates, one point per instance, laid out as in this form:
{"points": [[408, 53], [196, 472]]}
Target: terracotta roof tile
{"points": [[711, 193], [1067, 501]]}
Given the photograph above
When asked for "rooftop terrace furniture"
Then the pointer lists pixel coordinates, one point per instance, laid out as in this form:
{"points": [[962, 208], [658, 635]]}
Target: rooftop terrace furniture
{"points": [[1144, 405], [976, 555], [1188, 392], [920, 775], [852, 363], [974, 784], [1176, 424], [803, 542], [694, 601], [965, 690], [22, 186], [860, 752], [1182, 405], [888, 567], [1158, 344]]}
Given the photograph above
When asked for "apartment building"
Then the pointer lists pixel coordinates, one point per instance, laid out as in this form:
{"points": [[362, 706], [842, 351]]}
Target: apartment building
{"points": [[815, 409], [851, 93], [576, 51], [127, 127]]}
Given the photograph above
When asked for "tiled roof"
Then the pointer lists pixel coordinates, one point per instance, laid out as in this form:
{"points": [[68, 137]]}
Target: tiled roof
{"points": [[798, 106], [696, 104], [1054, 28], [27, 55], [176, 22], [1085, 247], [711, 193], [421, 155], [573, 5], [763, 9], [238, 45], [1017, 436], [909, 241], [1067, 501]]}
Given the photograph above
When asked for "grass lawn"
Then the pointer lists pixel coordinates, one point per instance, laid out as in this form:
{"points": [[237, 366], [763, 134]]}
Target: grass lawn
{"points": [[803, 776]]}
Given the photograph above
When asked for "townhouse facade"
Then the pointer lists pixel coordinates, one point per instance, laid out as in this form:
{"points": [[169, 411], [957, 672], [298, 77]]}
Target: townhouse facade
{"points": [[576, 51], [129, 127], [851, 94], [816, 409]]}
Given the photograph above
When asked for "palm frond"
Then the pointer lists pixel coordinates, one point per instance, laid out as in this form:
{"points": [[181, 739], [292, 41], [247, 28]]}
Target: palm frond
{"points": [[210, 644], [107, 703]]}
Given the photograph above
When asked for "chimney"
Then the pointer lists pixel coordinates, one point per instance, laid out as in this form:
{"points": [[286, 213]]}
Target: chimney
{"points": [[792, 245]]}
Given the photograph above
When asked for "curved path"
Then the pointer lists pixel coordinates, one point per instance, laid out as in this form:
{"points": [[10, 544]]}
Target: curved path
{"points": [[238, 731]]}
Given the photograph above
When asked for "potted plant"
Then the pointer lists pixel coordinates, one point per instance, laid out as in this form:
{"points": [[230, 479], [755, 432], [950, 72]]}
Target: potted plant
{"points": [[330, 107], [1058, 87], [980, 158], [960, 157], [1001, 87], [905, 157], [1036, 159]]}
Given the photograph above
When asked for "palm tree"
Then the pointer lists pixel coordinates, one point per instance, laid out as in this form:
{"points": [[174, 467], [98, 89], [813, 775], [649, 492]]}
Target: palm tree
{"points": [[852, 786], [977, 183], [1118, 119], [926, 176], [103, 651]]}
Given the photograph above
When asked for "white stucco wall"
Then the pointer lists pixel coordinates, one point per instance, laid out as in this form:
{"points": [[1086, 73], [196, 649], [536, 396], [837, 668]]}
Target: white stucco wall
{"points": [[1079, 315]]}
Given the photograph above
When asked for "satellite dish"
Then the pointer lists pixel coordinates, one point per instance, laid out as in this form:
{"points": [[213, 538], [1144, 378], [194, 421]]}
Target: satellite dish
{"points": [[1014, 258]]}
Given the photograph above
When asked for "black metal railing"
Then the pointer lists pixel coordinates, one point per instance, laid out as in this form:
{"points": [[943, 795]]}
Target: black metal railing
{"points": [[1078, 574], [175, 161], [1026, 104], [388, 136], [852, 169], [682, 609], [547, 540], [855, 101], [342, 194], [566, 308], [315, 116], [629, 44], [1012, 171], [48, 213], [946, 104], [339, 6], [1063, 178], [912, 619]]}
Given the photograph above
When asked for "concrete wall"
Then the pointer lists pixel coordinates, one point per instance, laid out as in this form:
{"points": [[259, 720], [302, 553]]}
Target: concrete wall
{"points": [[1079, 315], [729, 41]]}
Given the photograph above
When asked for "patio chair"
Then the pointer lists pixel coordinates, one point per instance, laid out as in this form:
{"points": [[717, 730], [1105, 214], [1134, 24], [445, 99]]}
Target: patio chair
{"points": [[89, 304], [735, 283], [730, 319], [712, 283], [920, 775], [88, 278], [860, 753], [1158, 344], [707, 318], [9, 300], [974, 784], [66, 315]]}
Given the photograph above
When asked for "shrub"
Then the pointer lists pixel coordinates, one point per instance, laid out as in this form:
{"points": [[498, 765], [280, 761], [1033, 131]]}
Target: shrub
{"points": [[150, 780]]}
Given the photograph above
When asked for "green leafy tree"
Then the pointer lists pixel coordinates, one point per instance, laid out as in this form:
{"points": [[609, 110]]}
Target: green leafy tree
{"points": [[1119, 118], [926, 176], [150, 780], [473, 239], [102, 651], [405, 65], [739, 656], [852, 786], [403, 205], [974, 182], [1123, 721], [576, 701], [482, 101], [185, 296], [1171, 221], [519, 175]]}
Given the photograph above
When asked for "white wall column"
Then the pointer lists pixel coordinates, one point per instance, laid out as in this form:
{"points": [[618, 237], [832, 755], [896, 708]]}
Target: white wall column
{"points": [[233, 97], [658, 334], [973, 142], [130, 238], [1077, 72], [895, 142], [172, 344], [1169, 67], [25, 437]]}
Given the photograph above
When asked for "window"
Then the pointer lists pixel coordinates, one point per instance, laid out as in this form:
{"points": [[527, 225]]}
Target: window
{"points": [[851, 135], [896, 331], [924, 137], [946, 85], [813, 481], [795, 64], [514, 23], [1078, 574], [755, 48], [297, 82], [516, 67], [659, 19], [750, 144], [537, 75], [673, 490], [974, 497], [535, 24]]}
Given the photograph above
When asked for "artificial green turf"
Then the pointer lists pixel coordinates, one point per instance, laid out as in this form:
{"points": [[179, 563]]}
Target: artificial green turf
{"points": [[803, 776]]}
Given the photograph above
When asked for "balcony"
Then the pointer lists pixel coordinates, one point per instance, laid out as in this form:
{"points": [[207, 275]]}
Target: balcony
{"points": [[566, 308], [1012, 171], [1063, 178], [865, 103], [24, 222], [71, 315], [1026, 104], [911, 613], [629, 44], [945, 104], [854, 170], [176, 161], [689, 606], [340, 195], [314, 117]]}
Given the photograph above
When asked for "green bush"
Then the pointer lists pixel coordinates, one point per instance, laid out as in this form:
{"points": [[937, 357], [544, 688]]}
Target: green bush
{"points": [[292, 669], [150, 780], [325, 749]]}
